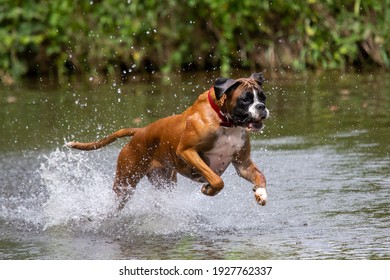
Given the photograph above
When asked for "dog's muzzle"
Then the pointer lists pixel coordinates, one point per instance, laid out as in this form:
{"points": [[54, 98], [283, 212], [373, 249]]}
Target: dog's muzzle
{"points": [[255, 123]]}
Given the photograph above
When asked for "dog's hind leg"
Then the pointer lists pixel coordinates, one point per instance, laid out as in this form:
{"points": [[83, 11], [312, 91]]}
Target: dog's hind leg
{"points": [[124, 191], [131, 167]]}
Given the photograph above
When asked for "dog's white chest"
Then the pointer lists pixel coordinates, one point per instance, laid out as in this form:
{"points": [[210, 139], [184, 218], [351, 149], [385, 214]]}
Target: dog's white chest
{"points": [[229, 141]]}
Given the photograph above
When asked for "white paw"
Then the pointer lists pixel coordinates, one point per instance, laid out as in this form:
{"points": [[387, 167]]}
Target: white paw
{"points": [[261, 196]]}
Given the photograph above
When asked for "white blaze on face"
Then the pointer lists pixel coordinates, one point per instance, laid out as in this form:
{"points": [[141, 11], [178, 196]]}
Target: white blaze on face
{"points": [[255, 112]]}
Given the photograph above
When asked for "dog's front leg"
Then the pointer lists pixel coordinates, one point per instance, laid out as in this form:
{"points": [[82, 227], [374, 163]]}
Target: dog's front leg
{"points": [[249, 171], [192, 158]]}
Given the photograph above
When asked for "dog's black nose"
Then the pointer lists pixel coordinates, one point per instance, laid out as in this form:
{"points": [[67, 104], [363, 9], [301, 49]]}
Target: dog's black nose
{"points": [[260, 106]]}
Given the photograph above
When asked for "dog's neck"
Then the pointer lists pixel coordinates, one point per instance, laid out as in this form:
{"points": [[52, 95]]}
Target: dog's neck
{"points": [[225, 121]]}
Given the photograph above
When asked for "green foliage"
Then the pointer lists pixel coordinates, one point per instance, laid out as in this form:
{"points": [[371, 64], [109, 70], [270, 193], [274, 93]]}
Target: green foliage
{"points": [[58, 37]]}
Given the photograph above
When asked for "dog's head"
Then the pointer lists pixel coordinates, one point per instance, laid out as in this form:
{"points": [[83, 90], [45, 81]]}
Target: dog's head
{"points": [[244, 102]]}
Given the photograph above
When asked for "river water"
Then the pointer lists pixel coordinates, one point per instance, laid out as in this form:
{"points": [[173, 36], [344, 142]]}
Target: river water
{"points": [[324, 150]]}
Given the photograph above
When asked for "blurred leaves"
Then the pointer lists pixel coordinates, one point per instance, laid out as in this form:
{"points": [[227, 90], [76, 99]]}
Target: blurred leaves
{"points": [[60, 37]]}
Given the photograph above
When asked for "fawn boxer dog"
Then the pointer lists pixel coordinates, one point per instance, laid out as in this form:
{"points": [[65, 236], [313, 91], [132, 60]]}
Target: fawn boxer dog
{"points": [[199, 143]]}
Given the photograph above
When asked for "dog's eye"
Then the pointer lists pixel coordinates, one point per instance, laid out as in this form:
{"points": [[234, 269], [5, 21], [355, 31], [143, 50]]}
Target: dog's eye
{"points": [[247, 98]]}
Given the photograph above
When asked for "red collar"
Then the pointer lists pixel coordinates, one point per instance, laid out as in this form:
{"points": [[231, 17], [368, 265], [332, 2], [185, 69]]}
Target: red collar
{"points": [[225, 121]]}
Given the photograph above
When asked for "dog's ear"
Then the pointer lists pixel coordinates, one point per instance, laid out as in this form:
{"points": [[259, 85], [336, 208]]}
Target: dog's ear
{"points": [[258, 77], [224, 85]]}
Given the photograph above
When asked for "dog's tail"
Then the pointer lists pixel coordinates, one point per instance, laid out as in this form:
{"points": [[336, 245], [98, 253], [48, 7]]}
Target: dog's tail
{"points": [[125, 132]]}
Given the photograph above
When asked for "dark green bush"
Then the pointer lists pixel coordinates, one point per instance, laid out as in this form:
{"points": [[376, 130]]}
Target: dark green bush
{"points": [[59, 37]]}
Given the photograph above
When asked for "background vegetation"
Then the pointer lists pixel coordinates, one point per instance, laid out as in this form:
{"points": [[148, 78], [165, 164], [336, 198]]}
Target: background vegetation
{"points": [[107, 37]]}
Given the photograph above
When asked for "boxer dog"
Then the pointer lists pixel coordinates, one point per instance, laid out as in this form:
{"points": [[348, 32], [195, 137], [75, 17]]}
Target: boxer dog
{"points": [[199, 143]]}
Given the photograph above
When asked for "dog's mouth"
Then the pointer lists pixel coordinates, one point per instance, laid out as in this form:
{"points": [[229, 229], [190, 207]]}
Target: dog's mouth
{"points": [[249, 123], [255, 126]]}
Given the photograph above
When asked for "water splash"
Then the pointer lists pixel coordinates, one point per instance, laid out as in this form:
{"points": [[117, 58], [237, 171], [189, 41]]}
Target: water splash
{"points": [[77, 186], [80, 199]]}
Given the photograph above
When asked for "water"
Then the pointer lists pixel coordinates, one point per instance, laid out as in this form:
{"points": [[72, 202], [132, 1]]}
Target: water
{"points": [[324, 151]]}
